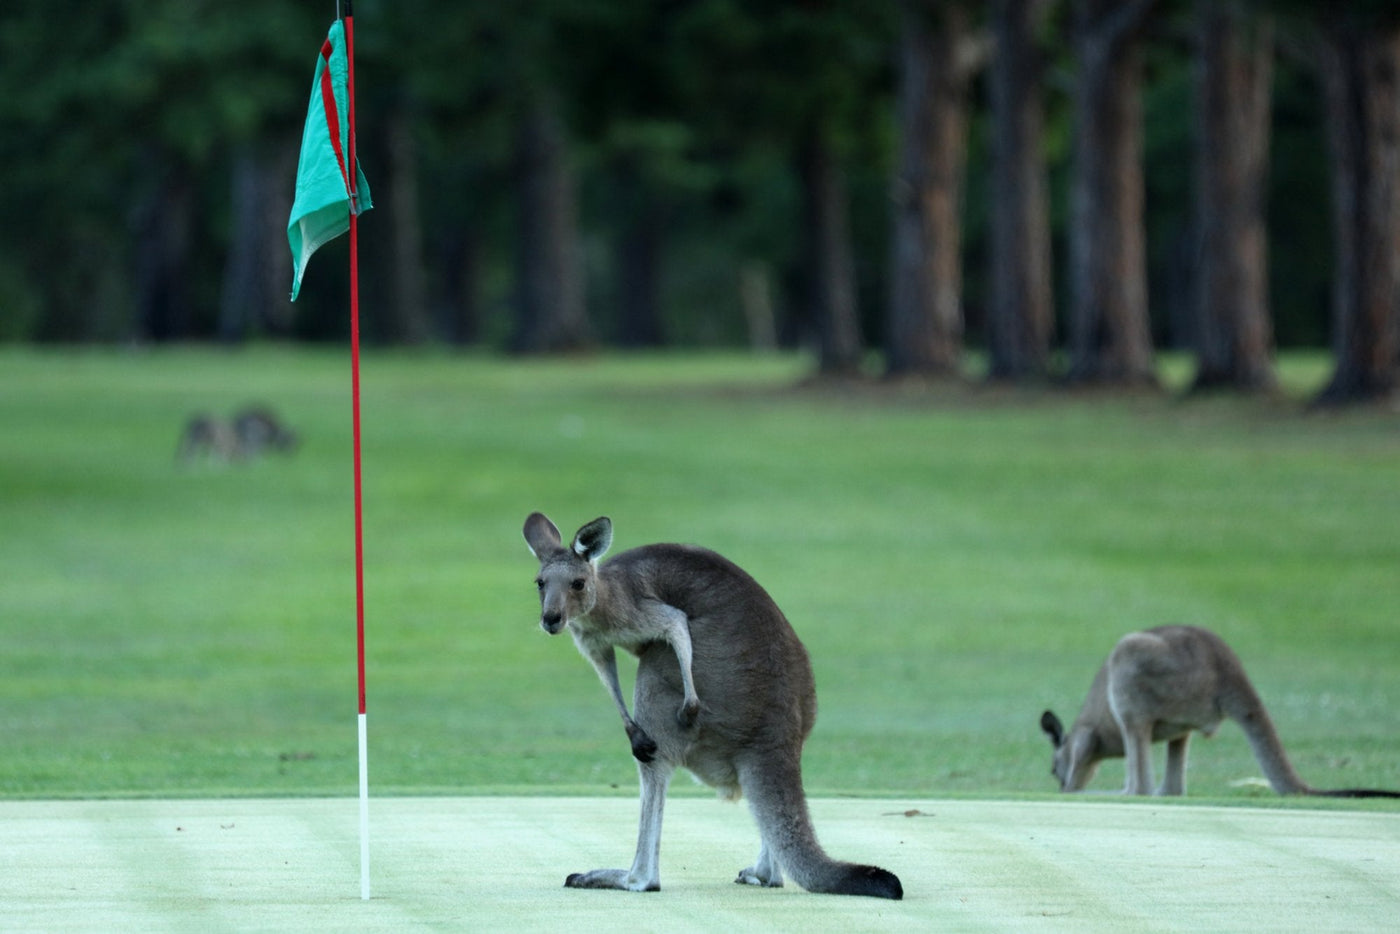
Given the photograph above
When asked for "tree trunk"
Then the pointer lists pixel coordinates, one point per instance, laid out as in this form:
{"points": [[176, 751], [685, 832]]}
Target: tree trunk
{"points": [[459, 255], [408, 315], [925, 328], [1110, 339], [1234, 70], [830, 266], [240, 298], [638, 258], [257, 272], [163, 247], [549, 277], [1020, 320], [756, 300], [1361, 78]]}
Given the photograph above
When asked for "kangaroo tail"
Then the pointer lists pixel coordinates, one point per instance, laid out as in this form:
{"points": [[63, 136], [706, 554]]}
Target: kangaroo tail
{"points": [[1264, 742], [1263, 739], [779, 806]]}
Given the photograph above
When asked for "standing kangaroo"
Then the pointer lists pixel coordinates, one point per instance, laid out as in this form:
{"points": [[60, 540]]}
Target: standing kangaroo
{"points": [[724, 688], [1157, 686]]}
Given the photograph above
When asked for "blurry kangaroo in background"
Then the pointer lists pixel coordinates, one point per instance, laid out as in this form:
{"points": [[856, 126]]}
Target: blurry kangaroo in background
{"points": [[1157, 686], [247, 435], [258, 429], [724, 688], [207, 438]]}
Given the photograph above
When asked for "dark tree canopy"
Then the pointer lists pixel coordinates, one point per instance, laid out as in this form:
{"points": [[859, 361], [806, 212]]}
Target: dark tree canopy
{"points": [[556, 173]]}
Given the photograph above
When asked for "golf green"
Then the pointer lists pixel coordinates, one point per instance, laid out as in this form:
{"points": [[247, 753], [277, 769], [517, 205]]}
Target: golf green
{"points": [[498, 863]]}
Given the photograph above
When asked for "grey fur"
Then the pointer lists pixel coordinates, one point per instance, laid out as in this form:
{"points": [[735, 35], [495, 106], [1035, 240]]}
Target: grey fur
{"points": [[724, 688], [1159, 685], [207, 438], [251, 432], [259, 429]]}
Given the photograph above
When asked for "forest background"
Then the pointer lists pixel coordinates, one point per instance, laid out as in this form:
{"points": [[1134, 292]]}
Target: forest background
{"points": [[1063, 187]]}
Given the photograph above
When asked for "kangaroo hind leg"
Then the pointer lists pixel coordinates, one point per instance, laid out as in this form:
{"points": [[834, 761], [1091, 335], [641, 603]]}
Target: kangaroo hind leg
{"points": [[645, 874], [1137, 750], [1174, 780], [765, 871], [1131, 702], [773, 785]]}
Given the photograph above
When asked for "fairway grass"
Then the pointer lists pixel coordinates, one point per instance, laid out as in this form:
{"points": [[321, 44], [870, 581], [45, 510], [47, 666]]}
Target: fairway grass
{"points": [[496, 864], [955, 558]]}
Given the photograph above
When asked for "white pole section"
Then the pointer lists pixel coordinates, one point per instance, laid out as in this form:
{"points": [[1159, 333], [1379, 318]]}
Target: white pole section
{"points": [[364, 809]]}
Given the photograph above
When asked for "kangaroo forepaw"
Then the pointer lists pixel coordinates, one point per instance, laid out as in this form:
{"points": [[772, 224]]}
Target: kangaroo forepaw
{"points": [[688, 713], [643, 746]]}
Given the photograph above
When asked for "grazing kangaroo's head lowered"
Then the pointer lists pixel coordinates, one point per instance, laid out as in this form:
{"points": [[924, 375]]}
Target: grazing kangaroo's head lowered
{"points": [[724, 689], [568, 579], [1073, 764], [1160, 685]]}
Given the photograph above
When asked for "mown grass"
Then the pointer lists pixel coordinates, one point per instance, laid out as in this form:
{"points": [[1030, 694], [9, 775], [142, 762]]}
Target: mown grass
{"points": [[956, 560]]}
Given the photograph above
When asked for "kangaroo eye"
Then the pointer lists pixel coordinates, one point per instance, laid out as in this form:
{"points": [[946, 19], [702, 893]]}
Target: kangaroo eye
{"points": [[577, 584], [539, 583]]}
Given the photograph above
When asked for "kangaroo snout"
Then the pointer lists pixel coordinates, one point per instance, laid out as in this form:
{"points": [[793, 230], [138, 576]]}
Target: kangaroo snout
{"points": [[552, 622]]}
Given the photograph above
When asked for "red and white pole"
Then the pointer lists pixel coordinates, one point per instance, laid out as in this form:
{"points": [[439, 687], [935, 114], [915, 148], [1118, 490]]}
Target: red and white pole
{"points": [[352, 174]]}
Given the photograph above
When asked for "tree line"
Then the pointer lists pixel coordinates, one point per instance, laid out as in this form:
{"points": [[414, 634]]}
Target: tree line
{"points": [[1068, 185]]}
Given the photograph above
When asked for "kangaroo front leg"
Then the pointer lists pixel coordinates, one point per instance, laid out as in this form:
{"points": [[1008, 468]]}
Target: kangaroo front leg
{"points": [[605, 662], [1174, 781], [676, 627], [645, 874]]}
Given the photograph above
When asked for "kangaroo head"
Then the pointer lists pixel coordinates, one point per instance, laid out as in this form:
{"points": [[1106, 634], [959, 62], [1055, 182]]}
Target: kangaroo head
{"points": [[568, 578], [1074, 762]]}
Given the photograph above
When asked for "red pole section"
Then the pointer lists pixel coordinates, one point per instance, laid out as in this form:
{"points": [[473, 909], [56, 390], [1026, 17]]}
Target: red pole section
{"points": [[353, 175]]}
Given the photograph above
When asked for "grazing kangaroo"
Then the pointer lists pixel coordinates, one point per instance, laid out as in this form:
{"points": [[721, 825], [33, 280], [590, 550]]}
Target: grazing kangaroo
{"points": [[207, 438], [1157, 686], [250, 433], [724, 688], [258, 429]]}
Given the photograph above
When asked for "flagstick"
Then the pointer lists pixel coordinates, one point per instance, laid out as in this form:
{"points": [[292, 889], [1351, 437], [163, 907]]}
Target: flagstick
{"points": [[352, 174]]}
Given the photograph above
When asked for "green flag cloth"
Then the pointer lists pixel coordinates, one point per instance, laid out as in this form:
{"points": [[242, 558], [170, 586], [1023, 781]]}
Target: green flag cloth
{"points": [[321, 211]]}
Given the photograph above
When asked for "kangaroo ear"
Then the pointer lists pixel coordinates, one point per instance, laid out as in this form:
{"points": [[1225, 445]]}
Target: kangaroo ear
{"points": [[541, 535], [594, 539], [1051, 724]]}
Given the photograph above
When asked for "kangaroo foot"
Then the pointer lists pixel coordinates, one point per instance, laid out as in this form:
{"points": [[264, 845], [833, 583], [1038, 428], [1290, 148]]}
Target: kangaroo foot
{"points": [[750, 876], [611, 879]]}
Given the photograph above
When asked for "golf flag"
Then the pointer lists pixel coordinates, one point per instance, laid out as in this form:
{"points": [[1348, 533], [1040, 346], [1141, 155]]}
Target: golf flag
{"points": [[331, 194], [324, 196]]}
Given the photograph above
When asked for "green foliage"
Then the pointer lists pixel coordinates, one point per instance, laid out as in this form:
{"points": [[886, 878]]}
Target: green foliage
{"points": [[954, 560], [105, 108]]}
